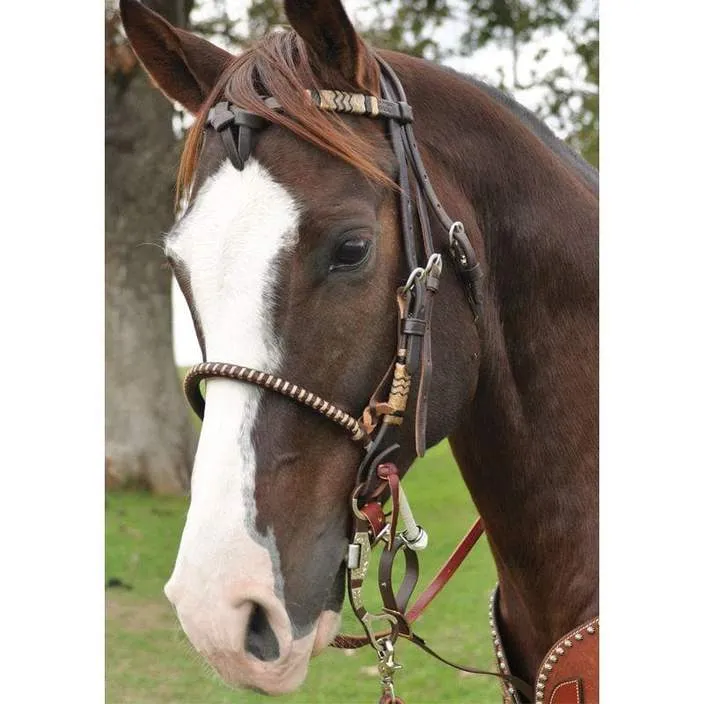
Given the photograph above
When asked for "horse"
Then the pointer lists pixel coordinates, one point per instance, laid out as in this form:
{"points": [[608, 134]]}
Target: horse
{"points": [[311, 255]]}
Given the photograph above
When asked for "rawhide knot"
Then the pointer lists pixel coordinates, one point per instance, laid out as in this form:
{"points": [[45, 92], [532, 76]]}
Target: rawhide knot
{"points": [[386, 470]]}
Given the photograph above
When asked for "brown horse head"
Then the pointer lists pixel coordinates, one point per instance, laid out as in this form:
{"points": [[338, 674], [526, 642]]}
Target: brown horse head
{"points": [[289, 265]]}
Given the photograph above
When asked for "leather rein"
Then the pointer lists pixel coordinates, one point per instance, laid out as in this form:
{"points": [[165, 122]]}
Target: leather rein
{"points": [[377, 429]]}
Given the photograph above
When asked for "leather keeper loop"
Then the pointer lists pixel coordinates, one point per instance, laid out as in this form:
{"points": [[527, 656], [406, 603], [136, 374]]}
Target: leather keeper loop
{"points": [[374, 514], [432, 283], [405, 113], [414, 326]]}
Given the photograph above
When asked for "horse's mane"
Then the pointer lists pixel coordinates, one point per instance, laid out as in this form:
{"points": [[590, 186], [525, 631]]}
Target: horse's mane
{"points": [[278, 66], [562, 150]]}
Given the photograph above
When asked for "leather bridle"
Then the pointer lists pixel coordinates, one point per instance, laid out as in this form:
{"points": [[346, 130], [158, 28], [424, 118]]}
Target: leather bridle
{"points": [[378, 427]]}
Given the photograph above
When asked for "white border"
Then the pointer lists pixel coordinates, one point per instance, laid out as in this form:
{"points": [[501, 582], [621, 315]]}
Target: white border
{"points": [[51, 353], [651, 350]]}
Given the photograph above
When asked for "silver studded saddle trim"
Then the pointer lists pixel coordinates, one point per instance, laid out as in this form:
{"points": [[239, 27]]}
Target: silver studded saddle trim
{"points": [[561, 648], [574, 637], [511, 696]]}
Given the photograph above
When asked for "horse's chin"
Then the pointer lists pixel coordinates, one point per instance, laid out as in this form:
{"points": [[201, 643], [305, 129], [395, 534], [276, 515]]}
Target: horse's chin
{"points": [[328, 627]]}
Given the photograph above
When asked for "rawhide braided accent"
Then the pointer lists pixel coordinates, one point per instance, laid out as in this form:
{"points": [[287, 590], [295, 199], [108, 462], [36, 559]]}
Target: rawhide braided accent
{"points": [[361, 104], [341, 101], [207, 370]]}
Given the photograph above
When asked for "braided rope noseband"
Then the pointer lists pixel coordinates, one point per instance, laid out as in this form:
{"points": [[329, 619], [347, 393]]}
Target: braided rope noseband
{"points": [[205, 370]]}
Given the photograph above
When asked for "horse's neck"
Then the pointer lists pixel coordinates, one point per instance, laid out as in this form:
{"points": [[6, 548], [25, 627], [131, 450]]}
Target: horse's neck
{"points": [[528, 442]]}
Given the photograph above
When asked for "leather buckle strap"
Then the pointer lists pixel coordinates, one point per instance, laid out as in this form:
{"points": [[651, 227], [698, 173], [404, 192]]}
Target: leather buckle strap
{"points": [[467, 266]]}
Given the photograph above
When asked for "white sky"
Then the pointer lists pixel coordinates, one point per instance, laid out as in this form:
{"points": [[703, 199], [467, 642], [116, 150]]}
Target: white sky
{"points": [[483, 64]]}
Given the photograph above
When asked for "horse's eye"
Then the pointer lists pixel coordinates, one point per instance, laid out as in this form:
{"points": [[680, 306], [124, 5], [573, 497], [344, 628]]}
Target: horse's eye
{"points": [[350, 254]]}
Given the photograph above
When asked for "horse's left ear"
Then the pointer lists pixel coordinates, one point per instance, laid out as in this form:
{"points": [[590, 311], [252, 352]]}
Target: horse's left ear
{"points": [[332, 41], [182, 64]]}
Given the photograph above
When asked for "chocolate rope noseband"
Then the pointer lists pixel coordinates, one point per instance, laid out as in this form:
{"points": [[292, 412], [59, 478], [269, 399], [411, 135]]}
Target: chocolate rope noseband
{"points": [[206, 370]]}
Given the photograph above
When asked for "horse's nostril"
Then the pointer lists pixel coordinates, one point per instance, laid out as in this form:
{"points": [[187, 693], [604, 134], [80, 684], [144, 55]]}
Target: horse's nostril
{"points": [[261, 640]]}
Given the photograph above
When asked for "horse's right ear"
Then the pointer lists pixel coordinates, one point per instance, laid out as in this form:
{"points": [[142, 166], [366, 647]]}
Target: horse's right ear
{"points": [[183, 65]]}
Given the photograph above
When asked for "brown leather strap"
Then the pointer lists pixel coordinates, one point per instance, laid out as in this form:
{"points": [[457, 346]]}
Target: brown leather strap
{"points": [[446, 571], [387, 472], [374, 513], [397, 601], [461, 249], [225, 119], [405, 201], [424, 221], [426, 366]]}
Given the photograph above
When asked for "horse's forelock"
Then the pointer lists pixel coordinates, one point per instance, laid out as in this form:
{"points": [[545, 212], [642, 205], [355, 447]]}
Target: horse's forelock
{"points": [[278, 66]]}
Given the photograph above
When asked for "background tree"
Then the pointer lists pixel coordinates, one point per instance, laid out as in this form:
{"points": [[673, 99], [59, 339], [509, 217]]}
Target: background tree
{"points": [[150, 439]]}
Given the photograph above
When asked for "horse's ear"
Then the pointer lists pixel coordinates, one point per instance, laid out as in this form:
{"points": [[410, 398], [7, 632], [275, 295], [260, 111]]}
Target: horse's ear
{"points": [[183, 65], [332, 41]]}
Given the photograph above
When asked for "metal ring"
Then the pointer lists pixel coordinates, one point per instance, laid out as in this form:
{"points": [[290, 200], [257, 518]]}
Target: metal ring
{"points": [[355, 508], [417, 273], [456, 226], [434, 259]]}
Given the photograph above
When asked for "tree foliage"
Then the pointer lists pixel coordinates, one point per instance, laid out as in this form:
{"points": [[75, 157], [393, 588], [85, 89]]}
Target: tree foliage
{"points": [[149, 437], [524, 32], [547, 51]]}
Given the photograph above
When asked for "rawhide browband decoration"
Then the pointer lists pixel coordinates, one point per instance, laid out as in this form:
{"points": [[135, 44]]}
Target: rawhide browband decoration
{"points": [[377, 428]]}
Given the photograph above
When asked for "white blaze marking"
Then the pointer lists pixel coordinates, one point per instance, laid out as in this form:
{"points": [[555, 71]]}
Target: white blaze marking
{"points": [[239, 223]]}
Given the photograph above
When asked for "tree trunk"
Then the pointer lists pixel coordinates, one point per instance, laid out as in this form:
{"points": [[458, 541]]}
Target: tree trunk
{"points": [[150, 440]]}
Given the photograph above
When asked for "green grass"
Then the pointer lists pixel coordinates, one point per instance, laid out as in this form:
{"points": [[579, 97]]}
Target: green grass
{"points": [[150, 661]]}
